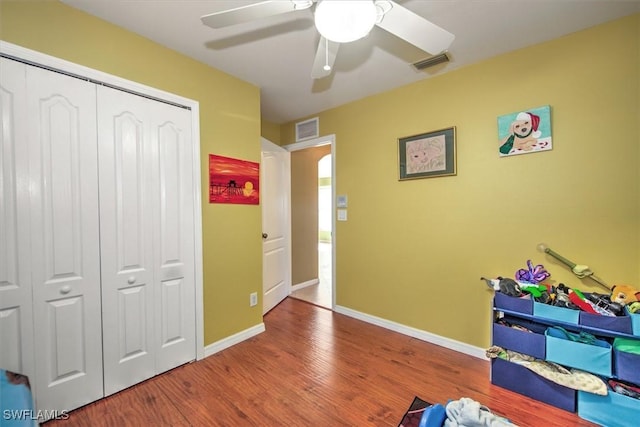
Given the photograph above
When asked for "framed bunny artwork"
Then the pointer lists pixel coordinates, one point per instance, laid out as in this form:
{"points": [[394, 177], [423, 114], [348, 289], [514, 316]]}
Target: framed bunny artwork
{"points": [[427, 155]]}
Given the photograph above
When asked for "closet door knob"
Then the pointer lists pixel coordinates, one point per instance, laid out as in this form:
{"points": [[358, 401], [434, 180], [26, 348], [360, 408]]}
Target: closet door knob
{"points": [[131, 280], [65, 289], [265, 235]]}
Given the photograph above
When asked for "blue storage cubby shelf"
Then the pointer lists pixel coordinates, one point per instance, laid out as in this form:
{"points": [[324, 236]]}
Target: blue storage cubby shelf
{"points": [[611, 410]]}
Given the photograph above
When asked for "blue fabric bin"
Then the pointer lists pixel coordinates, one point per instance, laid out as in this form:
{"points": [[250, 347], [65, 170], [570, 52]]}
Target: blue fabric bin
{"points": [[635, 322], [609, 323], [551, 312], [531, 343], [626, 359], [524, 381], [627, 366], [595, 358], [612, 410], [520, 305]]}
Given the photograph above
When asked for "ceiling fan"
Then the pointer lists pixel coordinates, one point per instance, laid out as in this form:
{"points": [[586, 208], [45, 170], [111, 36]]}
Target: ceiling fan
{"points": [[343, 21]]}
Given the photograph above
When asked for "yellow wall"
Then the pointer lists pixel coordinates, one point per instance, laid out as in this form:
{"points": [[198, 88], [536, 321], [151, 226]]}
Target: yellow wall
{"points": [[270, 131], [413, 251], [304, 213], [229, 126]]}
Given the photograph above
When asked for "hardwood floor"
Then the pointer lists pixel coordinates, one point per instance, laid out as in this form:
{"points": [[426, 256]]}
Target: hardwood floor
{"points": [[313, 367]]}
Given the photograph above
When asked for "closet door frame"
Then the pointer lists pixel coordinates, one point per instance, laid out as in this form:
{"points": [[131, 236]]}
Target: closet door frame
{"points": [[57, 64]]}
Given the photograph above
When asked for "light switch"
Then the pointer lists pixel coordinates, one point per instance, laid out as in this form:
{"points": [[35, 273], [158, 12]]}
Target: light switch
{"points": [[341, 201], [342, 214]]}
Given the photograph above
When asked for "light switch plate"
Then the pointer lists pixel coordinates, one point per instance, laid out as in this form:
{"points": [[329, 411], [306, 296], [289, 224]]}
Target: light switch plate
{"points": [[342, 214], [341, 201]]}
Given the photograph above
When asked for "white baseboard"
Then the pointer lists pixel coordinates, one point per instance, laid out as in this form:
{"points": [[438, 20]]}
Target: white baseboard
{"points": [[233, 339], [304, 284], [413, 332], [378, 321]]}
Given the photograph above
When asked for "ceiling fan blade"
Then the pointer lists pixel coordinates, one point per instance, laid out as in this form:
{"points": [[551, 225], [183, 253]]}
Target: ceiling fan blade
{"points": [[325, 56], [414, 29], [252, 12]]}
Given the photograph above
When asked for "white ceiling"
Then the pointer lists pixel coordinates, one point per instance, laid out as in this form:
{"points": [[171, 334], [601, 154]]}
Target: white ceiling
{"points": [[276, 53]]}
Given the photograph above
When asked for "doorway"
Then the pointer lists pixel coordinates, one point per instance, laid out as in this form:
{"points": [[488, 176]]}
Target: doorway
{"points": [[312, 221]]}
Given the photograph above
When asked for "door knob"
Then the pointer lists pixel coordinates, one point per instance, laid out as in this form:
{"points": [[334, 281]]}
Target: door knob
{"points": [[131, 280], [65, 289], [265, 235]]}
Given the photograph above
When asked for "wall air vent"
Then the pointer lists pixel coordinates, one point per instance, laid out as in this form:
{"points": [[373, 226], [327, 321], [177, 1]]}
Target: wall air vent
{"points": [[307, 129], [430, 62]]}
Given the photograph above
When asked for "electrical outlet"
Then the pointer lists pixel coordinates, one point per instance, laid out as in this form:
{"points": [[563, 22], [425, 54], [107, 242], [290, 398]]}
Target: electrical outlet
{"points": [[253, 299]]}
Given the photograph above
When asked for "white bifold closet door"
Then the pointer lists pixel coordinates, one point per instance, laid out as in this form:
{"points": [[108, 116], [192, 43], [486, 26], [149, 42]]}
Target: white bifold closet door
{"points": [[53, 209], [16, 313], [147, 242], [97, 246]]}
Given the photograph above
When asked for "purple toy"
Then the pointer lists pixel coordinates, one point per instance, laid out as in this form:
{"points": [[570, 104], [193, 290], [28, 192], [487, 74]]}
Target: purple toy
{"points": [[534, 275]]}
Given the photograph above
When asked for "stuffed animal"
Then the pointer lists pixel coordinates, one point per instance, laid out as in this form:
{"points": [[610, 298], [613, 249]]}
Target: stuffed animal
{"points": [[624, 294], [506, 286]]}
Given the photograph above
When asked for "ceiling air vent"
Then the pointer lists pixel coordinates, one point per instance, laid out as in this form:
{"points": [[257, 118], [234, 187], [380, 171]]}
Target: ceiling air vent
{"points": [[307, 129], [430, 62]]}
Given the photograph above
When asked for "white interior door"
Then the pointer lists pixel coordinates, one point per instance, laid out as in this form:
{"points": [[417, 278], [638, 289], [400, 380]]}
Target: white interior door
{"points": [[275, 188], [64, 226], [146, 191], [16, 314]]}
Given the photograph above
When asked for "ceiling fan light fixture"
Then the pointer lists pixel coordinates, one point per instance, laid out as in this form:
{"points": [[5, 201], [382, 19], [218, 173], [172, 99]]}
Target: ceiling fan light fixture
{"points": [[301, 4], [345, 21]]}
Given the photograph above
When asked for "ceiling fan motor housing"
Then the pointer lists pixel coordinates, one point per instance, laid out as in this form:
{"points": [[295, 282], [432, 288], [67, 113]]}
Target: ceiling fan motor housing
{"points": [[345, 21]]}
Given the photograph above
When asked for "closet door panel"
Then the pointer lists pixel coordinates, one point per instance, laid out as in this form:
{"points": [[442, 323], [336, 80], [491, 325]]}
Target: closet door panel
{"points": [[127, 240], [174, 260], [64, 239], [147, 237], [16, 315]]}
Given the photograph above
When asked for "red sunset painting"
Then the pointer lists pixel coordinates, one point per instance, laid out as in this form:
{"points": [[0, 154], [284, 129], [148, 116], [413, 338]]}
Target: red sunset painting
{"points": [[233, 181]]}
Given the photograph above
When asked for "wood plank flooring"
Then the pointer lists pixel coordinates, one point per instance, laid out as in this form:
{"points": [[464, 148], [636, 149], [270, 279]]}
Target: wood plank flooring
{"points": [[313, 367]]}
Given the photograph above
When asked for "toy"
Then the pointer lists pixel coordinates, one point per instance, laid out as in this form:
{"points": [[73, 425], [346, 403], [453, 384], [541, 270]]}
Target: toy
{"points": [[579, 270], [578, 299], [624, 294], [604, 302], [515, 288], [533, 275], [506, 286], [535, 290], [621, 294], [561, 297]]}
